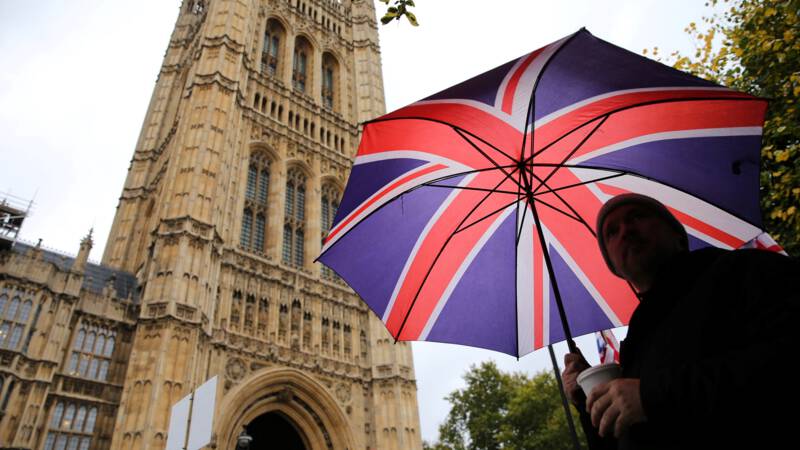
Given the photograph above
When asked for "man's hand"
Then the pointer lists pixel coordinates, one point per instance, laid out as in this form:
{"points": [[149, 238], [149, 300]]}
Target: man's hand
{"points": [[615, 406], [574, 363]]}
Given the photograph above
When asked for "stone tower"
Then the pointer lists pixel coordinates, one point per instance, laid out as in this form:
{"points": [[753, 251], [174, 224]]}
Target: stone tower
{"points": [[241, 161]]}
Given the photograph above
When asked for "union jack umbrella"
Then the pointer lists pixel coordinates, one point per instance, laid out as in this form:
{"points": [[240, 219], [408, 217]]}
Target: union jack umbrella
{"points": [[469, 216]]}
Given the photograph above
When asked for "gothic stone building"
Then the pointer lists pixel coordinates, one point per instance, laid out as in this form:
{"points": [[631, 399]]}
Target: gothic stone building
{"points": [[209, 270]]}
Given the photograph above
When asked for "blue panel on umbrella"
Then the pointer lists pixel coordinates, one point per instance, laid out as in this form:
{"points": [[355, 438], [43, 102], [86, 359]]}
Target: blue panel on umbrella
{"points": [[583, 313], [587, 66], [482, 88], [697, 243], [481, 311], [366, 179], [371, 256], [702, 166]]}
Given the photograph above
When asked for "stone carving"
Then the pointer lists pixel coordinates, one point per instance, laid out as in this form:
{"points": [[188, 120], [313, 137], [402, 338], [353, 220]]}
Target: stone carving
{"points": [[343, 392], [285, 395], [236, 369]]}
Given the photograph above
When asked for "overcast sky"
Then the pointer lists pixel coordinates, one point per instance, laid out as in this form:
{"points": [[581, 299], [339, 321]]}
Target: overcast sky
{"points": [[76, 77]]}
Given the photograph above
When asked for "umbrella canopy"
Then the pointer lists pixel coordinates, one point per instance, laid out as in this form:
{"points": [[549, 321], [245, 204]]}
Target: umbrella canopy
{"points": [[469, 216]]}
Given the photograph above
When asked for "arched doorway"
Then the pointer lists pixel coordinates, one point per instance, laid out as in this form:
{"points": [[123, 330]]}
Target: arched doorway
{"points": [[287, 402], [274, 430]]}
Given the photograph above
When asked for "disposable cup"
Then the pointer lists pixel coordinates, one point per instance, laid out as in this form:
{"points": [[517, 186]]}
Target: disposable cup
{"points": [[597, 375]]}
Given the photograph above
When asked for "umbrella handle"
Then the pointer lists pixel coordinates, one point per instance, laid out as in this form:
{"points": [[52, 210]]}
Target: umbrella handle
{"points": [[572, 347]]}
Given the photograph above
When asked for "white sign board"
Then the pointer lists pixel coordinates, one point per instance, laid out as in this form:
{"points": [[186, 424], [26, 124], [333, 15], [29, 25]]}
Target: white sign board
{"points": [[178, 421], [202, 415], [200, 404]]}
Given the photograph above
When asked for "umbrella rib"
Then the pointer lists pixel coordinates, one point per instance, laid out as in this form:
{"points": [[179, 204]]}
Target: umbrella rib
{"points": [[577, 216], [497, 166], [582, 183], [467, 188], [530, 117], [462, 132], [557, 210], [522, 222], [563, 136], [454, 175], [459, 230], [645, 177], [413, 189], [436, 259], [637, 105], [583, 141]]}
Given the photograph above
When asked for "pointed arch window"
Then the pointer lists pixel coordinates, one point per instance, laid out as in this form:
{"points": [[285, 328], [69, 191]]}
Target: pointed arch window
{"points": [[300, 64], [270, 52], [327, 87], [294, 219], [70, 428], [256, 205], [14, 317], [329, 74], [330, 203], [300, 70], [92, 350]]}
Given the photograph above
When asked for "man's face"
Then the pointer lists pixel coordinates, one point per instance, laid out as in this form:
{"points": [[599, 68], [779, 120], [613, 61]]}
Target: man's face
{"points": [[638, 241]]}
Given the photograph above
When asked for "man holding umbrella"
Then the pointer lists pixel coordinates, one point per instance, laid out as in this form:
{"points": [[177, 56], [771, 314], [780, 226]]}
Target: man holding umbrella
{"points": [[704, 361]]}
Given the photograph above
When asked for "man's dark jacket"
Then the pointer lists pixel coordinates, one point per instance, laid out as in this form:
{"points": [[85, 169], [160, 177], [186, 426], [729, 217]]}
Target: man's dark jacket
{"points": [[714, 344]]}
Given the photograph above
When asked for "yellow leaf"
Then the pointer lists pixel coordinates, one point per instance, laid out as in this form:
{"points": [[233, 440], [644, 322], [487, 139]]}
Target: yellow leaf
{"points": [[791, 210]]}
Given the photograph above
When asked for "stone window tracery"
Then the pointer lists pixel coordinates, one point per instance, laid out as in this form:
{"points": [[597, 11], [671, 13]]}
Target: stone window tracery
{"points": [[330, 204], [256, 204], [263, 315], [71, 426], [329, 75], [270, 52], [249, 313], [294, 219], [236, 308], [325, 334], [282, 320], [306, 330], [91, 353], [300, 64], [14, 315]]}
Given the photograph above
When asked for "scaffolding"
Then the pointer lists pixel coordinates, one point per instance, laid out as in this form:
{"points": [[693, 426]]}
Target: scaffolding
{"points": [[13, 211]]}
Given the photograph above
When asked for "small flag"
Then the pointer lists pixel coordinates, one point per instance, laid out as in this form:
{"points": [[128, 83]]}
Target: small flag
{"points": [[765, 242], [607, 347]]}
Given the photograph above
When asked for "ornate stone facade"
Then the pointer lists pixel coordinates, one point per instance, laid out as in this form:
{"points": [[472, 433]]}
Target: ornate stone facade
{"points": [[208, 270]]}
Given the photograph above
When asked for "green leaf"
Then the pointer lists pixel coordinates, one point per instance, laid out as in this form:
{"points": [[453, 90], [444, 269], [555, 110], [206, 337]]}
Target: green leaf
{"points": [[412, 19]]}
